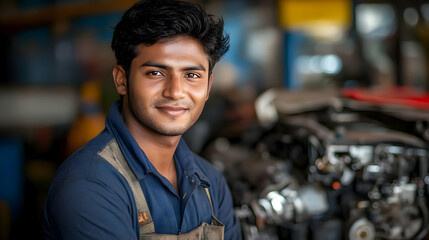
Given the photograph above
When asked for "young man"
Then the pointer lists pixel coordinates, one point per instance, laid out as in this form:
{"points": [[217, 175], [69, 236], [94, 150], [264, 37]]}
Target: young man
{"points": [[138, 179]]}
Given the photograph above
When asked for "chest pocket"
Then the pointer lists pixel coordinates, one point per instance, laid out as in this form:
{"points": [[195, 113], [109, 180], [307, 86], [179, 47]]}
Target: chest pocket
{"points": [[215, 230]]}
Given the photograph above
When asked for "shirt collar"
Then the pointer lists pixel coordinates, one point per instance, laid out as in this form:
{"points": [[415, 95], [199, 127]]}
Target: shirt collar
{"points": [[188, 164], [135, 156]]}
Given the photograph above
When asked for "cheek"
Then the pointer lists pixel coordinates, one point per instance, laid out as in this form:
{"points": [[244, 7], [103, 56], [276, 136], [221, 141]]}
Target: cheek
{"points": [[145, 89], [200, 92], [199, 97]]}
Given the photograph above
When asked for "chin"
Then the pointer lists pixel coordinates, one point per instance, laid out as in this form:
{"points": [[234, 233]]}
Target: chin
{"points": [[170, 132]]}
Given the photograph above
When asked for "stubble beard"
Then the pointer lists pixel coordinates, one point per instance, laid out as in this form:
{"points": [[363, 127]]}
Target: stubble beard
{"points": [[155, 125]]}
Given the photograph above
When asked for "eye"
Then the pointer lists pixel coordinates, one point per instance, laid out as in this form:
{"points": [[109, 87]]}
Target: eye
{"points": [[192, 75], [154, 73]]}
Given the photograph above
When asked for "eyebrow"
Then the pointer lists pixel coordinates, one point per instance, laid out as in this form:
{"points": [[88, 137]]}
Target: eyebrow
{"points": [[198, 67]]}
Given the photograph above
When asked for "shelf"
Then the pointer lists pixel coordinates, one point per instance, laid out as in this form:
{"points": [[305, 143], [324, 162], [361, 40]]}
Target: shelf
{"points": [[26, 19]]}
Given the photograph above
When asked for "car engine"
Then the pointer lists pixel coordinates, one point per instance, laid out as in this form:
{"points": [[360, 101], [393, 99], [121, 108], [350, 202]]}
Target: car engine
{"points": [[321, 166]]}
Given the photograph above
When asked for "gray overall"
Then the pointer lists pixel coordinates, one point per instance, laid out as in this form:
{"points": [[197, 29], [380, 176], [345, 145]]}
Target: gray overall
{"points": [[112, 154]]}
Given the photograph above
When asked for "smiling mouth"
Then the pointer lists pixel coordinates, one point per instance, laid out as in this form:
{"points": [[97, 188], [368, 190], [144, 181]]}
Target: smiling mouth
{"points": [[173, 111]]}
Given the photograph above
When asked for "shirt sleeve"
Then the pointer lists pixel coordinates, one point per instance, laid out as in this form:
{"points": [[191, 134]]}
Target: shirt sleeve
{"points": [[225, 212], [89, 209]]}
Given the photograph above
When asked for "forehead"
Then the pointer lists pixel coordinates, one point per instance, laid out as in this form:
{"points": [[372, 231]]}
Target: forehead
{"points": [[178, 47]]}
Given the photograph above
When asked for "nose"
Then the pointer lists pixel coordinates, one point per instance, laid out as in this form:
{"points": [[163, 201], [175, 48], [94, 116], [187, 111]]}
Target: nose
{"points": [[174, 88]]}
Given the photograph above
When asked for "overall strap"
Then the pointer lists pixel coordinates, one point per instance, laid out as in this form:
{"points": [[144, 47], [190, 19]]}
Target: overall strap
{"points": [[210, 200], [205, 231], [112, 154]]}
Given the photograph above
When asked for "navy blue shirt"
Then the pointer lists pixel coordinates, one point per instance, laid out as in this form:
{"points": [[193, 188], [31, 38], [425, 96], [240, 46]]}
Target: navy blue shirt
{"points": [[89, 199]]}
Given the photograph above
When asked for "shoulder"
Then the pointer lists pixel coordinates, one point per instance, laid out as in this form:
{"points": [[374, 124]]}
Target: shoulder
{"points": [[86, 165], [86, 188]]}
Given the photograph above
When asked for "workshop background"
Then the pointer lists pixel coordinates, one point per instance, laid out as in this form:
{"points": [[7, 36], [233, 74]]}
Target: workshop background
{"points": [[318, 117]]}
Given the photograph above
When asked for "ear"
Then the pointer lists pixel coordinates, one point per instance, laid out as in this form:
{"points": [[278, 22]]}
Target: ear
{"points": [[209, 86], [120, 79]]}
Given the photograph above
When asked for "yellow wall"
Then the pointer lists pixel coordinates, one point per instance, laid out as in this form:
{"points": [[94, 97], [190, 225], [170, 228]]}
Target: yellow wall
{"points": [[296, 13]]}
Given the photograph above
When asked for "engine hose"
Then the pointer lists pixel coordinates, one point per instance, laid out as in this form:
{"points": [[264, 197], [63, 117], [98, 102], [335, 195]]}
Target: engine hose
{"points": [[425, 218]]}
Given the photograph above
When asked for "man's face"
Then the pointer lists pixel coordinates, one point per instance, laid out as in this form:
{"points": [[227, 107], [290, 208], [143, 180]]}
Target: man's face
{"points": [[168, 86]]}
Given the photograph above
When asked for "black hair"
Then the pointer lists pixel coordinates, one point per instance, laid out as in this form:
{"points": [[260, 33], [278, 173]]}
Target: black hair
{"points": [[148, 21]]}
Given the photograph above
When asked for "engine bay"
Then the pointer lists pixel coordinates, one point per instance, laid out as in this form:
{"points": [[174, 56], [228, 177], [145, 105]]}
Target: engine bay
{"points": [[329, 167]]}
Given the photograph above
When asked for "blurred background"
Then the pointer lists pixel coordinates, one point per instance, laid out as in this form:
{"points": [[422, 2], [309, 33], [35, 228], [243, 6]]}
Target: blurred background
{"points": [[56, 88]]}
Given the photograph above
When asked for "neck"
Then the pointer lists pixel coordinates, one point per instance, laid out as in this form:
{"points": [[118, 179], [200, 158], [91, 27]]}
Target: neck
{"points": [[160, 152], [158, 148]]}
